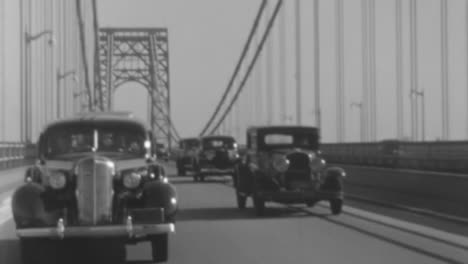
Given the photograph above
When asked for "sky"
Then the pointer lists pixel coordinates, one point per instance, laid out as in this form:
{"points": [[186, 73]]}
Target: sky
{"points": [[206, 37]]}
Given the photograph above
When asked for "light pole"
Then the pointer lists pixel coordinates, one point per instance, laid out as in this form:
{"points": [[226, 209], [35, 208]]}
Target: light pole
{"points": [[359, 106], [26, 117], [417, 94], [61, 76]]}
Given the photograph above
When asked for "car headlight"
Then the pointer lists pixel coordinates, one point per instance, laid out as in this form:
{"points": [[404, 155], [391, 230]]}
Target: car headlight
{"points": [[57, 180], [131, 180], [317, 164], [280, 163]]}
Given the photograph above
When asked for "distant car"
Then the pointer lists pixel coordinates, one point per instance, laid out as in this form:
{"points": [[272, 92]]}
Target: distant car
{"points": [[283, 164], [217, 156], [187, 155], [95, 178], [162, 152]]}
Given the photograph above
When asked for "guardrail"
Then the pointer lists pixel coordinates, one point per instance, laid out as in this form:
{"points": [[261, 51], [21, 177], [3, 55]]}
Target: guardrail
{"points": [[443, 156], [16, 154]]}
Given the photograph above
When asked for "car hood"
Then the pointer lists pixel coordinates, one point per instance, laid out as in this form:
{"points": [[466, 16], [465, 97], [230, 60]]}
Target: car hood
{"points": [[121, 162]]}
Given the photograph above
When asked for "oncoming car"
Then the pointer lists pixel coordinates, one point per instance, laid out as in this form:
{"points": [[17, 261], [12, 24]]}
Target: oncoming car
{"points": [[283, 164], [217, 156], [96, 177]]}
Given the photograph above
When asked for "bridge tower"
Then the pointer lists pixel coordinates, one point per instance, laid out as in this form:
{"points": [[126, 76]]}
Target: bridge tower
{"points": [[136, 55]]}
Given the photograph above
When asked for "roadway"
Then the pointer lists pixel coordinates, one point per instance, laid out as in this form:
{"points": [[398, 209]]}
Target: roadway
{"points": [[210, 229]]}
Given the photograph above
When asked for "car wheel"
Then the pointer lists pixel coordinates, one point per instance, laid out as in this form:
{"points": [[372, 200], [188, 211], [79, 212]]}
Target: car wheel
{"points": [[181, 171], [195, 177], [259, 205], [241, 200], [37, 250], [202, 178], [336, 206], [160, 247]]}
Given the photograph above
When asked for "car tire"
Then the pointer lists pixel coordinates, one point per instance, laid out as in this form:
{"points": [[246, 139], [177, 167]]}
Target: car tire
{"points": [[336, 206], [160, 247], [181, 171], [259, 205], [195, 177], [241, 200]]}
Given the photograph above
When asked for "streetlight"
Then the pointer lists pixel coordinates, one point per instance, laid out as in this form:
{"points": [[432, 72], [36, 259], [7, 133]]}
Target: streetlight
{"points": [[359, 106], [417, 93], [61, 76], [29, 38]]}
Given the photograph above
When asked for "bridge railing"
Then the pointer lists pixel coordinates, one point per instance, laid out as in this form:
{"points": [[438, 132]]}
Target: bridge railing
{"points": [[443, 156], [16, 154]]}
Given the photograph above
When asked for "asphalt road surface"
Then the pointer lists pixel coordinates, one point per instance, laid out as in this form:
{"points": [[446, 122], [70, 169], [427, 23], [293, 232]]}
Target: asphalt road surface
{"points": [[211, 230]]}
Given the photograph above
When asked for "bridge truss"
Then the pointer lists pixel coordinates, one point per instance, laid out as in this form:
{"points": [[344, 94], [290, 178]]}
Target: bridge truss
{"points": [[137, 55]]}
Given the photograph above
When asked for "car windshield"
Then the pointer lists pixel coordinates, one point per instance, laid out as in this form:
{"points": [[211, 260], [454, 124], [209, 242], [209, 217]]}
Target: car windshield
{"points": [[221, 142], [291, 139], [65, 140]]}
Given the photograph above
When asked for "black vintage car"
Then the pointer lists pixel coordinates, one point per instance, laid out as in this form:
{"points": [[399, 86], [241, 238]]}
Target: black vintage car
{"points": [[283, 164], [217, 156], [96, 177], [162, 152], [187, 155]]}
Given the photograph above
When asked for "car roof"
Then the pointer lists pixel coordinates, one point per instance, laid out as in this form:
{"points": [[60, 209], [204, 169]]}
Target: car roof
{"points": [[189, 139], [218, 137], [281, 128], [100, 117]]}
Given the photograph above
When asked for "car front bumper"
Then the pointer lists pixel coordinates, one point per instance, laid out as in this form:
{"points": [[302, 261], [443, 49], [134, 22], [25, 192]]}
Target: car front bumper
{"points": [[299, 196], [129, 230]]}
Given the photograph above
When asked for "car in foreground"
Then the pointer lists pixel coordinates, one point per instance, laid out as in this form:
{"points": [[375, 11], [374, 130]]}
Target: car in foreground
{"points": [[96, 177], [187, 155], [283, 164], [217, 156]]}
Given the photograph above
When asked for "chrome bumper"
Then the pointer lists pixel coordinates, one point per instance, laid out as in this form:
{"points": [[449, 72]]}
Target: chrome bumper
{"points": [[129, 230], [216, 171]]}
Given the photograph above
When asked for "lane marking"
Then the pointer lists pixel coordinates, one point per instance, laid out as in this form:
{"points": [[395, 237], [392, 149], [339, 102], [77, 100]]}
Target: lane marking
{"points": [[5, 210]]}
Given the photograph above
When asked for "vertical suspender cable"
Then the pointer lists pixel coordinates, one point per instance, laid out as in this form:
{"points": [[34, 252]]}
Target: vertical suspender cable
{"points": [[372, 69], [399, 71], [444, 70], [365, 68], [282, 65], [317, 63], [298, 64], [2, 70], [269, 75]]}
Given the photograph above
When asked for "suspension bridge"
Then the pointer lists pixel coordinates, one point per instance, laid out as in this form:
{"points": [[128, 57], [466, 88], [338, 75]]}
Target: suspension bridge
{"points": [[385, 82]]}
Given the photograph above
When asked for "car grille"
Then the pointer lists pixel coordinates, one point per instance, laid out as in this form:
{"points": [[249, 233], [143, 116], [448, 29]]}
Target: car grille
{"points": [[299, 169], [94, 190], [221, 160]]}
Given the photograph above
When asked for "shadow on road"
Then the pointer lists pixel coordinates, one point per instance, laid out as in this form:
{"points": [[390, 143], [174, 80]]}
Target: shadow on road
{"points": [[10, 252], [216, 214]]}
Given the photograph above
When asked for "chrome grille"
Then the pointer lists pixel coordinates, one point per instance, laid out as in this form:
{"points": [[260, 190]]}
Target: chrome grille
{"points": [[299, 169], [94, 190]]}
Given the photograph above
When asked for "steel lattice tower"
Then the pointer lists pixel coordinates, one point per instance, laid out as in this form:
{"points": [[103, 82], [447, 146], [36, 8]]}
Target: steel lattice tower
{"points": [[137, 55]]}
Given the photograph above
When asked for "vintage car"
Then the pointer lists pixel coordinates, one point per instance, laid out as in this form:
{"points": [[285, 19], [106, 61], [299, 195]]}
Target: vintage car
{"points": [[217, 156], [283, 164], [162, 152], [187, 155], [96, 177]]}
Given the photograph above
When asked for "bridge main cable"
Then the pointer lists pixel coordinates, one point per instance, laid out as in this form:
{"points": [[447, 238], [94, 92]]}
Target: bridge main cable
{"points": [[252, 63], [239, 63]]}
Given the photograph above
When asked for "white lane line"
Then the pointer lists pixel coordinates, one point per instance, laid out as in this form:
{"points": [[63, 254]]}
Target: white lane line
{"points": [[5, 210], [425, 231]]}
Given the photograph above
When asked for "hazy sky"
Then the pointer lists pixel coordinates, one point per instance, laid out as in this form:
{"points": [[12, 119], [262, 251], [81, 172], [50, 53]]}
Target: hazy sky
{"points": [[206, 37]]}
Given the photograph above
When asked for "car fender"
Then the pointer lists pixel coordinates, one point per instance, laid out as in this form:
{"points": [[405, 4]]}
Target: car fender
{"points": [[28, 207], [161, 194]]}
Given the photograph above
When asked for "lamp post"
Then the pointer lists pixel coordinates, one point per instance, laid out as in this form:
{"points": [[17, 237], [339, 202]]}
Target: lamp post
{"points": [[359, 106], [417, 94], [26, 117], [61, 76]]}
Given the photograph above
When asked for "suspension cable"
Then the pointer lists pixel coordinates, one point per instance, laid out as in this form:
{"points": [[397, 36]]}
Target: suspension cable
{"points": [[252, 63], [83, 53], [239, 63]]}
